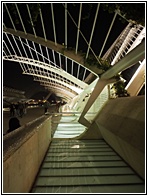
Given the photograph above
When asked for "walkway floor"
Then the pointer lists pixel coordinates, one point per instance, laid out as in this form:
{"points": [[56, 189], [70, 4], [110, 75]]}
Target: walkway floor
{"points": [[32, 113]]}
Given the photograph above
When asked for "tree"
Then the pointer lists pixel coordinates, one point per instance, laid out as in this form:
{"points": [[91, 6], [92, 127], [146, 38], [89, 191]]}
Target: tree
{"points": [[133, 12], [119, 87], [104, 65]]}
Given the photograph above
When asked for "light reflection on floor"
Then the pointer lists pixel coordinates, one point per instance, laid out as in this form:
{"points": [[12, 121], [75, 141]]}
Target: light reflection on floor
{"points": [[69, 127]]}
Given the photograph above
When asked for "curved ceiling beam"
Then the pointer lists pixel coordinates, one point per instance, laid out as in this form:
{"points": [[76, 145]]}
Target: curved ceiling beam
{"points": [[58, 48], [48, 67], [51, 84], [61, 91], [77, 90]]}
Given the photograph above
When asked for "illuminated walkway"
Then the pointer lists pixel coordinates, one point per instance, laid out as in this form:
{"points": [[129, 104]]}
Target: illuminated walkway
{"points": [[66, 165], [68, 127], [117, 125], [85, 166]]}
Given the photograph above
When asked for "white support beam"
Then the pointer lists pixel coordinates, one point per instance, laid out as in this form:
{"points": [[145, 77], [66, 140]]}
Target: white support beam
{"points": [[108, 34], [65, 25], [31, 21], [55, 39], [63, 92], [87, 90], [84, 38], [137, 81], [78, 30], [42, 24], [134, 56], [77, 90], [20, 18], [60, 91], [131, 58], [10, 17], [47, 67], [101, 83], [92, 30], [51, 83], [58, 48]]}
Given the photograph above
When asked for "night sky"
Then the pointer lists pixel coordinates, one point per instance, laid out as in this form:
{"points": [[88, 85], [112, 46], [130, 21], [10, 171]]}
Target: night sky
{"points": [[12, 72]]}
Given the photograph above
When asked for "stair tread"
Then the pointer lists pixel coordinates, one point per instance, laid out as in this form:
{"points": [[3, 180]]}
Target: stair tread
{"points": [[84, 164], [81, 165], [130, 188], [87, 180], [85, 171], [81, 158]]}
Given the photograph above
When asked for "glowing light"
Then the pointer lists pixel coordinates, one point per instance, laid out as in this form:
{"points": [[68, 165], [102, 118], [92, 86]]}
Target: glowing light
{"points": [[76, 146]]}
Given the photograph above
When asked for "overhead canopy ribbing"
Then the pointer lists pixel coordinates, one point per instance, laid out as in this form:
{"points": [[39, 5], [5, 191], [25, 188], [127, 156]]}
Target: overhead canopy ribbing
{"points": [[51, 42]]}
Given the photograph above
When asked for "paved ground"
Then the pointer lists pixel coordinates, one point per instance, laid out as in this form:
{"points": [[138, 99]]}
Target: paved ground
{"points": [[32, 113]]}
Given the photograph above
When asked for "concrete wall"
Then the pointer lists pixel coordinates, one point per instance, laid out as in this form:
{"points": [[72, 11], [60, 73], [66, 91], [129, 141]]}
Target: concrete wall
{"points": [[20, 165], [91, 133], [122, 124]]}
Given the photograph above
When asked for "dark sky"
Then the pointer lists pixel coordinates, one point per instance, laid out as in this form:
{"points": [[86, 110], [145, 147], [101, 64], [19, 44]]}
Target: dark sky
{"points": [[12, 73], [13, 78]]}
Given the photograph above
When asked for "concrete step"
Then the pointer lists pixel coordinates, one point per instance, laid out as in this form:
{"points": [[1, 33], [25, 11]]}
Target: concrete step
{"points": [[81, 166], [88, 180], [84, 171], [68, 127]]}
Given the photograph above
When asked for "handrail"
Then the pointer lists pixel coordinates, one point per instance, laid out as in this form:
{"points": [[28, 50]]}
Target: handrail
{"points": [[137, 54]]}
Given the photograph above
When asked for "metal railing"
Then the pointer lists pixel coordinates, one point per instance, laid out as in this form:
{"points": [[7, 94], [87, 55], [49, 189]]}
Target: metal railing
{"points": [[137, 54], [127, 41]]}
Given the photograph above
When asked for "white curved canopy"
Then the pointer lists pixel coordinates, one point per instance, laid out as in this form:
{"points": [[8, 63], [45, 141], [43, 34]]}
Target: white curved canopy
{"points": [[46, 42]]}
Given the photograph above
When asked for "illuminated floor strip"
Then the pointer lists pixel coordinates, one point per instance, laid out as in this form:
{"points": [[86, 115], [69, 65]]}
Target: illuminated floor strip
{"points": [[68, 127]]}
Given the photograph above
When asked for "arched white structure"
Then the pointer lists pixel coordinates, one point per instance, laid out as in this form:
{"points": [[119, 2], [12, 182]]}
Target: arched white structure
{"points": [[58, 65]]}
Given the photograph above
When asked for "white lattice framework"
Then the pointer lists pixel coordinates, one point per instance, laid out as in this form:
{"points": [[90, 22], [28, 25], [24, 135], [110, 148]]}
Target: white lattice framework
{"points": [[35, 59], [45, 69], [54, 70], [127, 41]]}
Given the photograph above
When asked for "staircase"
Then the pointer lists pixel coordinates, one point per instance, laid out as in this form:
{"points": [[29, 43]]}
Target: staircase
{"points": [[85, 166], [67, 127]]}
